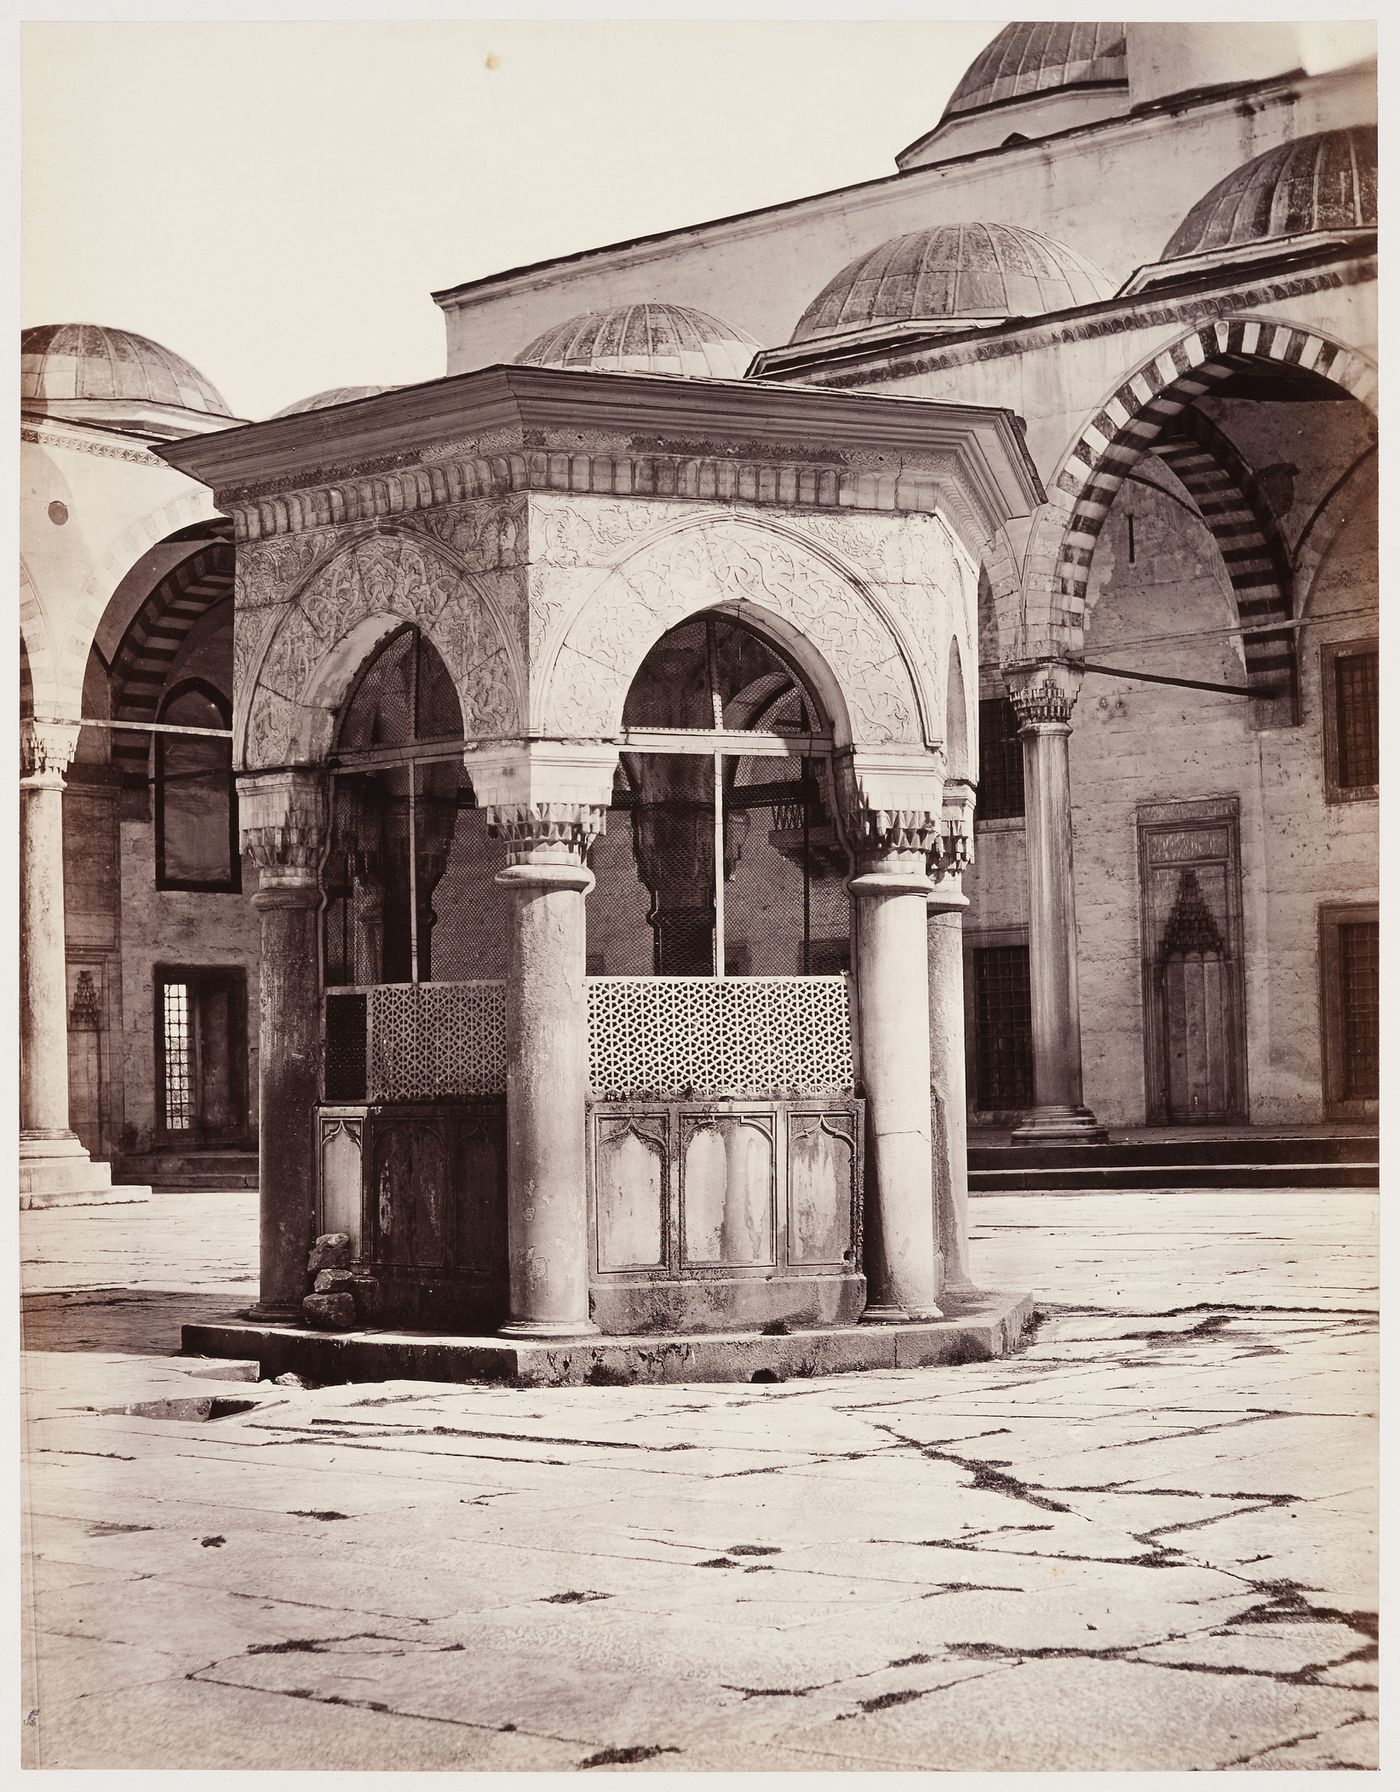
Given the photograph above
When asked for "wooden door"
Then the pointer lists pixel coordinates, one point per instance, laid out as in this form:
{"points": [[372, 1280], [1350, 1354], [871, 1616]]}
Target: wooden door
{"points": [[1193, 962]]}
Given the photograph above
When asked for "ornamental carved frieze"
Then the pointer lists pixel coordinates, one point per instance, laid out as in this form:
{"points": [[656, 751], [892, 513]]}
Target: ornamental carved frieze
{"points": [[483, 536], [390, 576], [267, 573], [588, 663]]}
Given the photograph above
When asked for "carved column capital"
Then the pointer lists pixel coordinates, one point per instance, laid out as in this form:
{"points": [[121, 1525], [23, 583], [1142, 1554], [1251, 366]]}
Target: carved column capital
{"points": [[46, 750], [1043, 691], [283, 826], [954, 851], [547, 833], [547, 799], [892, 808]]}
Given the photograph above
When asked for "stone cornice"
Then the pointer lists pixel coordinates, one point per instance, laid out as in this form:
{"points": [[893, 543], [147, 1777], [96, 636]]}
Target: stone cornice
{"points": [[526, 428], [46, 435], [1199, 297]]}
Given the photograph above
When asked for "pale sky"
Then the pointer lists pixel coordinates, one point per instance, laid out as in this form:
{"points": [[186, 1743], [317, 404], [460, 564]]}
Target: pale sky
{"points": [[275, 202]]}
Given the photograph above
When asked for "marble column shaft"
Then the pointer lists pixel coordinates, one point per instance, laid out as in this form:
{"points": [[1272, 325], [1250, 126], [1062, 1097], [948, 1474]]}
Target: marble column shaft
{"points": [[1044, 701], [546, 1091], [948, 1075], [283, 821], [890, 941], [43, 972]]}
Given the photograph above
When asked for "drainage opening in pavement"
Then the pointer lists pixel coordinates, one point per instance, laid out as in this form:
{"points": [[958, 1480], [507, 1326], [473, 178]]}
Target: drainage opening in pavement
{"points": [[197, 1409]]}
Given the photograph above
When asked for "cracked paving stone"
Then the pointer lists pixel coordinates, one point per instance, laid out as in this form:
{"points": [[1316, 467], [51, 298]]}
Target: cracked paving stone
{"points": [[1106, 1554]]}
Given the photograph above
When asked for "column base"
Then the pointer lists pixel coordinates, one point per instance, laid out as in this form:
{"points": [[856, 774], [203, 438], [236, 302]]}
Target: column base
{"points": [[884, 1316], [548, 1328], [1058, 1122], [56, 1171]]}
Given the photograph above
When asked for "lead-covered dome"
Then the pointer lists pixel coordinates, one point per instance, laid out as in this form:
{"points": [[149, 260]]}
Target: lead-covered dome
{"points": [[647, 338], [954, 273], [63, 366], [1022, 60], [333, 395], [1323, 182]]}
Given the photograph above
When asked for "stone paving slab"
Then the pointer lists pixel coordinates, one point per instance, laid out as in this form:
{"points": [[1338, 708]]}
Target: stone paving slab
{"points": [[1149, 1541]]}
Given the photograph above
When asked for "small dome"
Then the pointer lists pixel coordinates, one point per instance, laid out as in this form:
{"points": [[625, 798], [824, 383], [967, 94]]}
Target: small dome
{"points": [[1022, 60], [1323, 182], [646, 338], [322, 401], [954, 271], [67, 363]]}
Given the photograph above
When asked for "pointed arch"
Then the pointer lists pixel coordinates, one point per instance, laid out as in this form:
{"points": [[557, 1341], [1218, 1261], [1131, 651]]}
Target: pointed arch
{"points": [[1129, 423], [152, 641], [301, 668]]}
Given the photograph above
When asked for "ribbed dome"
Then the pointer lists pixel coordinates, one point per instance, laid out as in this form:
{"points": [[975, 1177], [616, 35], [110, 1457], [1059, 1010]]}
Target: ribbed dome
{"points": [[645, 338], [954, 271], [1041, 58], [61, 363], [1323, 182], [322, 401]]}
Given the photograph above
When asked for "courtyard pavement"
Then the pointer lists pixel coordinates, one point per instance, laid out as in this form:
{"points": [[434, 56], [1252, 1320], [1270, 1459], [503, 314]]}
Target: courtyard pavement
{"points": [[1147, 1542]]}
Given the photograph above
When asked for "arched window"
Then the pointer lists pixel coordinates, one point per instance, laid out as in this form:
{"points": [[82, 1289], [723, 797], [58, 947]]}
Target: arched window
{"points": [[409, 878], [727, 761], [196, 816]]}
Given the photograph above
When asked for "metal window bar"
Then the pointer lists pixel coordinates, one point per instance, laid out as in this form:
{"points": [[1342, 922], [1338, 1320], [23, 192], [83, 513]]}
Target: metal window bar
{"points": [[1001, 789], [1002, 992], [1358, 944], [177, 1048], [1357, 692]]}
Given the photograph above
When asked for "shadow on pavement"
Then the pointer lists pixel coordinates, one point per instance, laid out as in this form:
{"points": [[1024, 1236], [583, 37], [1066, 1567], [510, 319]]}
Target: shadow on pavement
{"points": [[139, 1321]]}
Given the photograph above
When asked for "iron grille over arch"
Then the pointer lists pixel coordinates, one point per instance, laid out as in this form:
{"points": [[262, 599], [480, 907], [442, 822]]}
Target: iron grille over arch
{"points": [[726, 763], [411, 898]]}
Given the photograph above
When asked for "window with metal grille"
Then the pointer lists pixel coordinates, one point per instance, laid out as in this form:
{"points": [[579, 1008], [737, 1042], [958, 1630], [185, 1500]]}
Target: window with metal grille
{"points": [[177, 1082], [1001, 790], [1358, 954], [411, 895], [1002, 1020], [1358, 718], [725, 759], [1351, 719]]}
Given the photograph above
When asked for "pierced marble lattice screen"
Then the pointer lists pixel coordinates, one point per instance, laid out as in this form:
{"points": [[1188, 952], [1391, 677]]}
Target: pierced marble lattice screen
{"points": [[667, 1036], [432, 1039]]}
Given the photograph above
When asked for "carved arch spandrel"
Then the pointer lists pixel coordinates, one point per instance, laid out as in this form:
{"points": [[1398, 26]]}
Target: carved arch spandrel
{"points": [[339, 608], [790, 586]]}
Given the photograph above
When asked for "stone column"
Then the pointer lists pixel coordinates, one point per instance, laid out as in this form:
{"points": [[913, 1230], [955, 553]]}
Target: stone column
{"points": [[947, 1034], [283, 821], [1044, 695], [889, 955], [54, 1168], [547, 1065]]}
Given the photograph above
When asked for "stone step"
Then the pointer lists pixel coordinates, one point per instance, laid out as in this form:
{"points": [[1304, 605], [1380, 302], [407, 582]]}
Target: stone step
{"points": [[1245, 1148], [1096, 1178]]}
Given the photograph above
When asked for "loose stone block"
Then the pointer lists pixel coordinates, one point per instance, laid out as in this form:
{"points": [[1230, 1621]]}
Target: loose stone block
{"points": [[333, 1281], [330, 1251], [332, 1312]]}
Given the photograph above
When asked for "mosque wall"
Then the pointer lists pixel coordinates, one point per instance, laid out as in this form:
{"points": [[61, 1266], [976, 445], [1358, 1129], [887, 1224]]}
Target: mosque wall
{"points": [[761, 272]]}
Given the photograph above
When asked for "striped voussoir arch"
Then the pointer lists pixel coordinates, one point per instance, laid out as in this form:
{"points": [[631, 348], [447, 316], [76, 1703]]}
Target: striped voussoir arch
{"points": [[154, 637], [1237, 513], [1148, 403]]}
